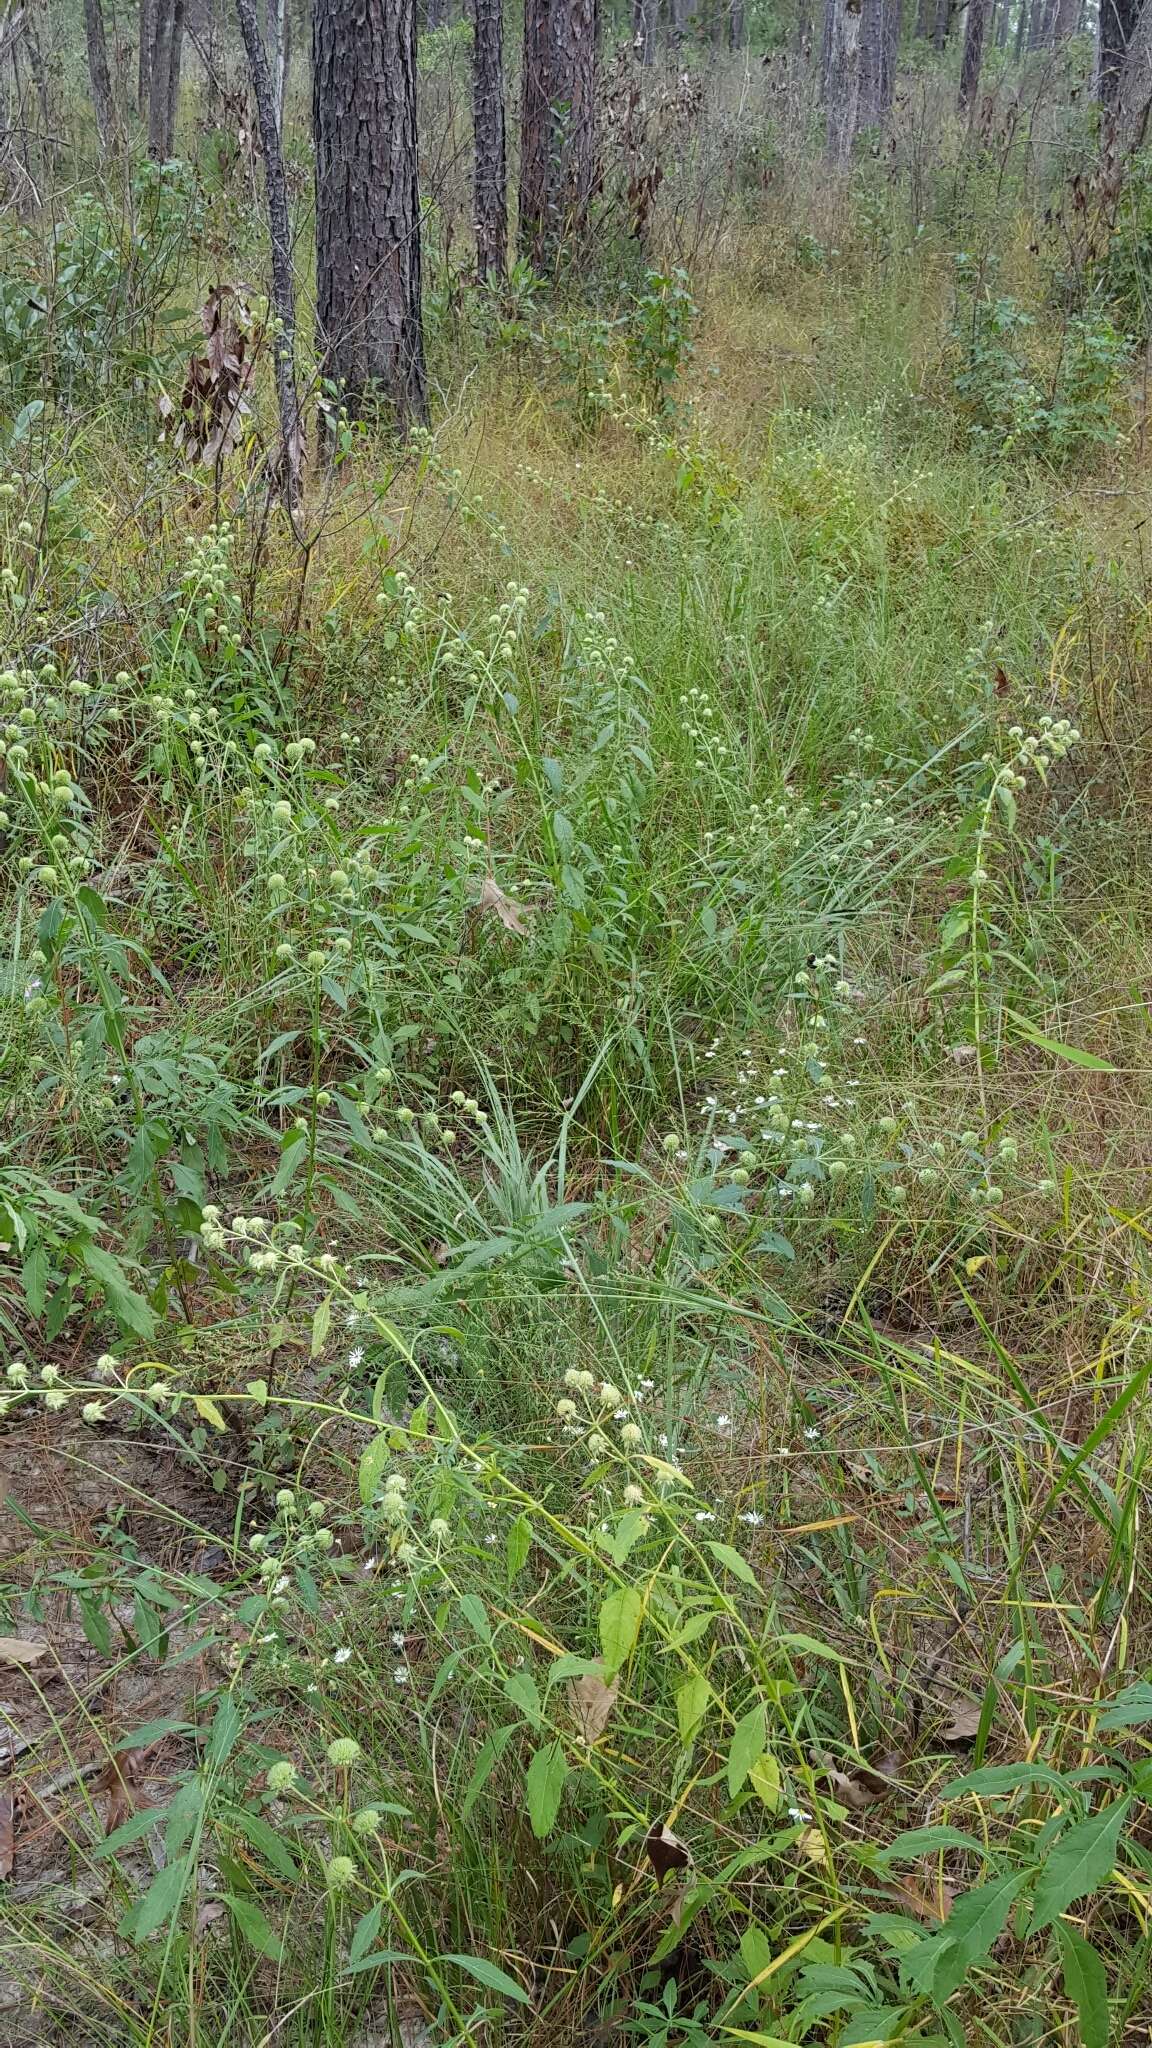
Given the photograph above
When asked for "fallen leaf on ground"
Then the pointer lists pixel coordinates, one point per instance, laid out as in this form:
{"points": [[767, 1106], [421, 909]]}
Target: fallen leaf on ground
{"points": [[665, 1851], [592, 1702], [932, 1905], [511, 914], [118, 1780], [964, 1725], [17, 1650], [862, 1789]]}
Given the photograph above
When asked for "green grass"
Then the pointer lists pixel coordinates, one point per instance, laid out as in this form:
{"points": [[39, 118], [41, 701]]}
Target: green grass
{"points": [[655, 903]]}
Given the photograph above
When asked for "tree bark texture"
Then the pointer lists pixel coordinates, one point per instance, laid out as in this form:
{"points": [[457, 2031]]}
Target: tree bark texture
{"points": [[879, 38], [645, 18], [490, 169], [558, 158], [368, 202], [1117, 20], [99, 75], [144, 59], [973, 57], [844, 82], [163, 14], [269, 116], [279, 53]]}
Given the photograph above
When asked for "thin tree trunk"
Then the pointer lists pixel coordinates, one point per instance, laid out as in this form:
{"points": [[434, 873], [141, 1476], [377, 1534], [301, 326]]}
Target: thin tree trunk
{"points": [[879, 37], [1135, 91], [490, 177], [99, 75], [159, 73], [144, 58], [1022, 27], [645, 18], [943, 23], [844, 82], [827, 38], [175, 61], [268, 114], [736, 25], [973, 53], [280, 54], [368, 203], [925, 19], [1066, 20]]}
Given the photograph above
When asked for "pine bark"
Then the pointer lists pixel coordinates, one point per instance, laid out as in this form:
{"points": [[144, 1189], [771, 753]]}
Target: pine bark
{"points": [[558, 157], [144, 59], [490, 170], [844, 82], [973, 57], [99, 75], [159, 77], [1118, 18], [879, 39], [279, 54], [269, 114], [367, 202]]}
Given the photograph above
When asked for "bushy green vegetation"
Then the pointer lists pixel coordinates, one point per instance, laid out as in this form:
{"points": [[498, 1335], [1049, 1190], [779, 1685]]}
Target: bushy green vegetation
{"points": [[576, 1107]]}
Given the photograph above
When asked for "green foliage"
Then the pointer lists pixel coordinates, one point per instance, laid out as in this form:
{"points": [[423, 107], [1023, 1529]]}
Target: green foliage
{"points": [[1014, 402]]}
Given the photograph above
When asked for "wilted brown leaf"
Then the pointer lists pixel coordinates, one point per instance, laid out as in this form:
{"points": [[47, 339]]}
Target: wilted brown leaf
{"points": [[7, 1834], [119, 1780], [665, 1850], [592, 1702], [511, 914], [863, 1788], [964, 1722], [17, 1650], [933, 1905]]}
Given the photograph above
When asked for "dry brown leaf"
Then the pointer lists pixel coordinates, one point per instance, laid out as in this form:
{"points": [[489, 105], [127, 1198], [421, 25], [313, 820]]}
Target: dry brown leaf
{"points": [[933, 1905], [118, 1780], [862, 1789], [964, 1725], [511, 914], [592, 1702], [665, 1850], [7, 1834], [17, 1650], [812, 1846]]}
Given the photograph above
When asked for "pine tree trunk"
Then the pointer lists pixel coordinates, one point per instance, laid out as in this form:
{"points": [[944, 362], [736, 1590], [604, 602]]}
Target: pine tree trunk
{"points": [[367, 202], [827, 38], [490, 178], [269, 116], [144, 59], [279, 54], [844, 82], [558, 162], [536, 132], [175, 61], [973, 53], [574, 24], [1117, 21], [98, 73], [925, 19], [736, 25], [1067, 20], [159, 75], [645, 19]]}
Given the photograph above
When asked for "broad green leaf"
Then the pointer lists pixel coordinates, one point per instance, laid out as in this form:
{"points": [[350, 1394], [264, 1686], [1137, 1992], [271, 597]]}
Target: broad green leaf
{"points": [[476, 1615], [266, 1839], [696, 1626], [747, 1744], [321, 1324], [764, 1778], [159, 1902], [490, 1974], [490, 1754], [620, 1618], [254, 1927], [151, 1731], [544, 1785], [972, 1926], [923, 1841], [208, 1411], [365, 1931], [372, 1462], [1086, 1986], [1130, 1708], [692, 1702], [1082, 1860], [522, 1690], [1072, 1053], [518, 1544], [734, 1563]]}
